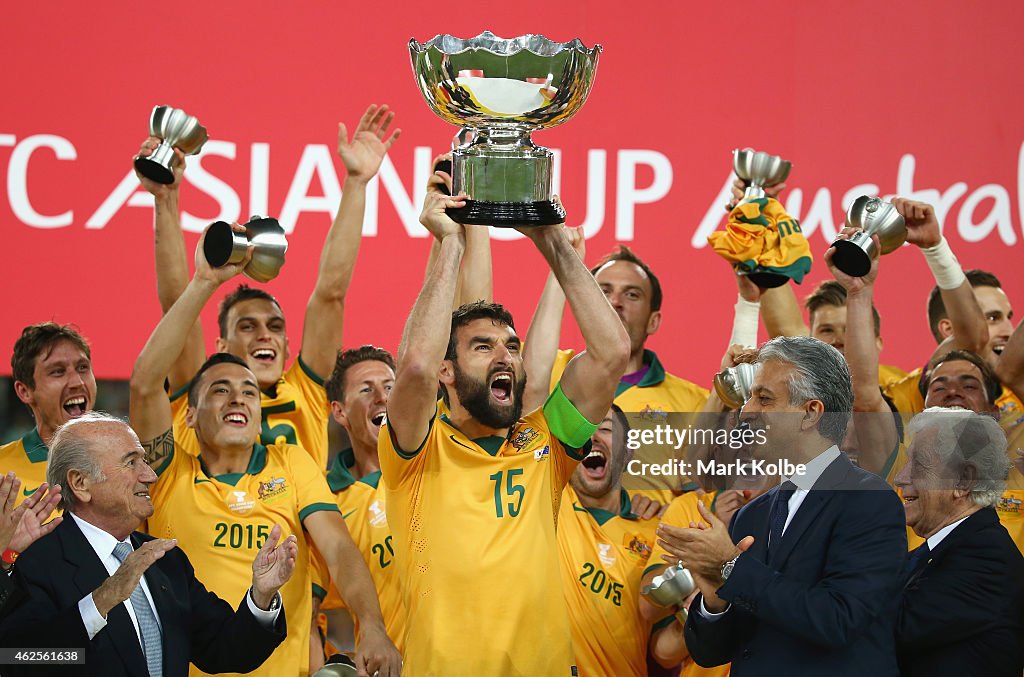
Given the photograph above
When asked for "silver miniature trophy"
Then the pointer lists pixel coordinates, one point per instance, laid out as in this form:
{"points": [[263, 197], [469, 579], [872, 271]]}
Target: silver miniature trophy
{"points": [[872, 216], [175, 128], [501, 90], [223, 245]]}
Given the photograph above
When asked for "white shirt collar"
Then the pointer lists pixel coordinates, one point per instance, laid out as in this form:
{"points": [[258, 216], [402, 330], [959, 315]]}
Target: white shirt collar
{"points": [[815, 468], [101, 541], [936, 538]]}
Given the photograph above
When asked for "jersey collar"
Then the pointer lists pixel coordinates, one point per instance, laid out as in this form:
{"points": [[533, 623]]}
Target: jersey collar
{"points": [[490, 443], [602, 516], [35, 449], [339, 477], [257, 462], [654, 376]]}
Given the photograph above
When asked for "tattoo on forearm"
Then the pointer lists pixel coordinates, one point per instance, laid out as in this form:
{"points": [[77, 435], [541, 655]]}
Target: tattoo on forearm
{"points": [[160, 448]]}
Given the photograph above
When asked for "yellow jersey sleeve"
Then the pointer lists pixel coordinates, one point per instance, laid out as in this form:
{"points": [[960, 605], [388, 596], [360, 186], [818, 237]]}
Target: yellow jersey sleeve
{"points": [[312, 493]]}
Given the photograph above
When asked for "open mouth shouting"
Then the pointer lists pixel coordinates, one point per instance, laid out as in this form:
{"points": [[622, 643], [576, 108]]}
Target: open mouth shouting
{"points": [[501, 387], [377, 420], [75, 406], [595, 465], [264, 355]]}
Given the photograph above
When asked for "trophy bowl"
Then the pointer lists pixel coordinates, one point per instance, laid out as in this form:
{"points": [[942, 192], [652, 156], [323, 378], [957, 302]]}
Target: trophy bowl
{"points": [[759, 169], [501, 90], [734, 384], [671, 587], [174, 127], [873, 216], [223, 245]]}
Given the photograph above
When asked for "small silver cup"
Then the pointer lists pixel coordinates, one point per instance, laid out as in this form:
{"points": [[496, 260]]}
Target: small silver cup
{"points": [[174, 127], [759, 169], [223, 246], [671, 587], [872, 216], [734, 384], [338, 665]]}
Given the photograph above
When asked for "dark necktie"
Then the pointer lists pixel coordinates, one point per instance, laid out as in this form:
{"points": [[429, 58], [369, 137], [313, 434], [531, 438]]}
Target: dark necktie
{"points": [[918, 556], [149, 628], [779, 512]]}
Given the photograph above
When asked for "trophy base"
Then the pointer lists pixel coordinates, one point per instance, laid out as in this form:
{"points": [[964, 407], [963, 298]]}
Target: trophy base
{"points": [[154, 171], [508, 214], [851, 258], [767, 280]]}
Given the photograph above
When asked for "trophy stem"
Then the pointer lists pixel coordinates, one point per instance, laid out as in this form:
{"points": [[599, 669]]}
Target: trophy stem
{"points": [[853, 256], [753, 192], [157, 166]]}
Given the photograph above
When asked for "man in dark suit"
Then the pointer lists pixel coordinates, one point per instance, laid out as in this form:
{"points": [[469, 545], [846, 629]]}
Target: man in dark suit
{"points": [[131, 602], [963, 605], [805, 580]]}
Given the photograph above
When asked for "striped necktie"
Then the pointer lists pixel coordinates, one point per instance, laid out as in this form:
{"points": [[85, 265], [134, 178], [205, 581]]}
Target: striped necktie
{"points": [[149, 629]]}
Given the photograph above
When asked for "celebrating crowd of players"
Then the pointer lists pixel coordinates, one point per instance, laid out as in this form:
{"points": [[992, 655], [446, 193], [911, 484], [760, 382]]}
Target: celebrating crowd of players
{"points": [[478, 524]]}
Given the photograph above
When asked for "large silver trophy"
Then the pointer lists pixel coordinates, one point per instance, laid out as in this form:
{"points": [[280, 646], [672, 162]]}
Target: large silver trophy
{"points": [[174, 127], [872, 216], [224, 245], [502, 90], [759, 169]]}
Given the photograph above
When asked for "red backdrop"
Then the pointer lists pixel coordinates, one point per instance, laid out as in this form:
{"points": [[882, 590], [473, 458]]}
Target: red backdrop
{"points": [[920, 99]]}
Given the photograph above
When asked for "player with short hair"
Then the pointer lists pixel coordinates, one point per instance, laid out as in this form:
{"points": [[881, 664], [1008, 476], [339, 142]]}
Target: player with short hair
{"points": [[358, 391], [604, 548], [52, 372], [472, 497], [251, 322], [221, 504]]}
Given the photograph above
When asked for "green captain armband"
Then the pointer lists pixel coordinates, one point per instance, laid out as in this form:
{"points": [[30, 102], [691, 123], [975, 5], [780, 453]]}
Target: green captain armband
{"points": [[565, 421]]}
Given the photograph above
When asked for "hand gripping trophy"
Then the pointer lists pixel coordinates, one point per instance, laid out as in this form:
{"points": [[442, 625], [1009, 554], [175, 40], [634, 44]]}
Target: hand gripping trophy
{"points": [[502, 90]]}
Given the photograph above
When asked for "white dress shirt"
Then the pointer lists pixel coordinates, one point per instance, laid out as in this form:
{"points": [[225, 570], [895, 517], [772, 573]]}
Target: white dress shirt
{"points": [[813, 472], [103, 544], [936, 538]]}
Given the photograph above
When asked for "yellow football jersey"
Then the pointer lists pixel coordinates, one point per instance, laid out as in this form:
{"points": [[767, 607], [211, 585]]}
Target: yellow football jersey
{"points": [[888, 374], [680, 513], [295, 413], [647, 404], [362, 504], [221, 522], [27, 458], [603, 555], [475, 546]]}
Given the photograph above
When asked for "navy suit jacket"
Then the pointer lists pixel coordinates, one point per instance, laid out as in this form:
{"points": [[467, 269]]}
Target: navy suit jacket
{"points": [[824, 600], [963, 610], [61, 568]]}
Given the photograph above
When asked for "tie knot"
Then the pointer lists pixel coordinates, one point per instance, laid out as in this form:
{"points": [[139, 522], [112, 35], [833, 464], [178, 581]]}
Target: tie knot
{"points": [[122, 550], [787, 488]]}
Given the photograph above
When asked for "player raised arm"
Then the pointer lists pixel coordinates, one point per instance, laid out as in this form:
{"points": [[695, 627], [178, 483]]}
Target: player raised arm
{"points": [[325, 312], [149, 409], [413, 400], [970, 329], [873, 423], [172, 260], [1010, 369], [476, 276], [541, 347], [590, 379]]}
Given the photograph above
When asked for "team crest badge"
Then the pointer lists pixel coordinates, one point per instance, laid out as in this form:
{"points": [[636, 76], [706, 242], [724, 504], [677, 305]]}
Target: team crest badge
{"points": [[273, 489], [656, 414], [1009, 505], [522, 438], [240, 503], [637, 546]]}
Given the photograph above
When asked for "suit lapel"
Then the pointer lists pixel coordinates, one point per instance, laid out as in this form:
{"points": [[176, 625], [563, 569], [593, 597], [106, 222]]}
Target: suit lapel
{"points": [[89, 575], [817, 498]]}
